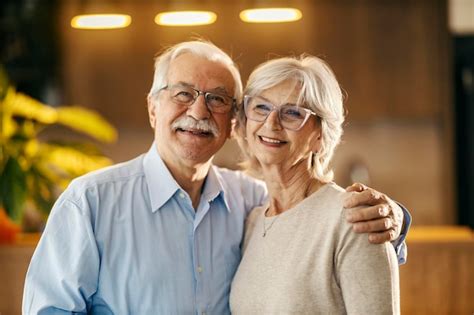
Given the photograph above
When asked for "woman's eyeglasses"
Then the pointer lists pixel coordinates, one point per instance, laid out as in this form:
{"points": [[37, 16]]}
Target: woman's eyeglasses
{"points": [[291, 117]]}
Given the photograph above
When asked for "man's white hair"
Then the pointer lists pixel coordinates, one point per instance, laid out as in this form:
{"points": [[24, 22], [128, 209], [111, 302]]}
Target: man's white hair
{"points": [[320, 91], [200, 48]]}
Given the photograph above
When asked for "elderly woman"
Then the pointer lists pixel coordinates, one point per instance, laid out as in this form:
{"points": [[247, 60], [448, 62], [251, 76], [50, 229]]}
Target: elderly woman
{"points": [[299, 253]]}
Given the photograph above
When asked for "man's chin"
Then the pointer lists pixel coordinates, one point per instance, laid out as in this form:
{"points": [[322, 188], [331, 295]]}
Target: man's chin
{"points": [[193, 156]]}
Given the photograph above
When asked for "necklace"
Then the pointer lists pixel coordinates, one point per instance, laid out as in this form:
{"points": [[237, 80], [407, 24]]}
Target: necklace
{"points": [[266, 229], [307, 192]]}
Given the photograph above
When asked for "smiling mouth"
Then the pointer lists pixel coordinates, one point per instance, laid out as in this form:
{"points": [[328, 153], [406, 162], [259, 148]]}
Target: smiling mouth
{"points": [[196, 132], [271, 141]]}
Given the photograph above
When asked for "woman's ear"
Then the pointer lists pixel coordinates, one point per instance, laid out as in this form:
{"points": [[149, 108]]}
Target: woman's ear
{"points": [[151, 111], [316, 145], [233, 123]]}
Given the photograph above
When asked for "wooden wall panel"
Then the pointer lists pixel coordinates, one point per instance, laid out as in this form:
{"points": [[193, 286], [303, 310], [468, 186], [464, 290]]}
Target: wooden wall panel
{"points": [[389, 55], [392, 57]]}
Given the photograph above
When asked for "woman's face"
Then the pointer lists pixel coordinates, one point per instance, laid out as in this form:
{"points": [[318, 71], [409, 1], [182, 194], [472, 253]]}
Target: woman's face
{"points": [[271, 143]]}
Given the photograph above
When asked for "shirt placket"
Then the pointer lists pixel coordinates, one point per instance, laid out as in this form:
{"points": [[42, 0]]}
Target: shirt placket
{"points": [[201, 250]]}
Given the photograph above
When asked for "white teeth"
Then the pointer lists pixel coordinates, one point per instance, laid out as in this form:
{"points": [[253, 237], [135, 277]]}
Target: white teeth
{"points": [[270, 140]]}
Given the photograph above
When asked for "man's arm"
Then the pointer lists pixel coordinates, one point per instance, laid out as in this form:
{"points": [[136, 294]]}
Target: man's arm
{"points": [[379, 216], [63, 272]]}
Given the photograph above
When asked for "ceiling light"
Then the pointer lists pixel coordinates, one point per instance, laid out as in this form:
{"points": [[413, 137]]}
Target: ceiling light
{"points": [[185, 18], [270, 15], [101, 21]]}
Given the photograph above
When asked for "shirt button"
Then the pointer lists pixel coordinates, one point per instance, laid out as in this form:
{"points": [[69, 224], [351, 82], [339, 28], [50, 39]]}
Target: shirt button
{"points": [[181, 195], [199, 269]]}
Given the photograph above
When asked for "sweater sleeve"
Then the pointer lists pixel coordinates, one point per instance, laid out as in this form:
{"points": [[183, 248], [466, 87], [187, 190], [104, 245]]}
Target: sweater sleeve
{"points": [[367, 273]]}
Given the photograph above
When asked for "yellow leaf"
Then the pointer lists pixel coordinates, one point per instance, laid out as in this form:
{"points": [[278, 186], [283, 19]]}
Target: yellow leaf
{"points": [[72, 161], [88, 122], [25, 106], [31, 148], [9, 127]]}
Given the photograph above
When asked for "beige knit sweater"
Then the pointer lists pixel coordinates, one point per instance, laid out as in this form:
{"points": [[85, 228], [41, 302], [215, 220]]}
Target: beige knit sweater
{"points": [[311, 262]]}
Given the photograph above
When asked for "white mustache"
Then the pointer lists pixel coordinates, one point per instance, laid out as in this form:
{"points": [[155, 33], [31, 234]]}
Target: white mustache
{"points": [[188, 123]]}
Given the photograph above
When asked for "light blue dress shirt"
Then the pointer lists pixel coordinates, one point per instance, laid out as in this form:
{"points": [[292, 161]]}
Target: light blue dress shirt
{"points": [[126, 240]]}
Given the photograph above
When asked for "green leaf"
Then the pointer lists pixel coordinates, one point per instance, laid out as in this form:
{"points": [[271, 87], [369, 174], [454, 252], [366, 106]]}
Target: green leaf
{"points": [[13, 189], [42, 190]]}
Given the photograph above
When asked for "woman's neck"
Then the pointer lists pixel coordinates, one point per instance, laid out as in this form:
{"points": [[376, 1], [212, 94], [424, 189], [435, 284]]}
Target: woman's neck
{"points": [[288, 185]]}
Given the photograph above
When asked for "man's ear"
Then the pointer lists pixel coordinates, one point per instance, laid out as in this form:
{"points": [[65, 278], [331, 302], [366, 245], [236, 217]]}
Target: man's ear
{"points": [[151, 111]]}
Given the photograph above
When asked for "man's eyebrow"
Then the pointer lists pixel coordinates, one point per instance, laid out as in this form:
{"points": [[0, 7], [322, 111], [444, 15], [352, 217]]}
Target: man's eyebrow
{"points": [[219, 89], [182, 83]]}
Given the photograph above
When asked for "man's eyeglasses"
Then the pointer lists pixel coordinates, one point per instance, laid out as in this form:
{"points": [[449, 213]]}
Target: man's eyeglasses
{"points": [[291, 117], [186, 96]]}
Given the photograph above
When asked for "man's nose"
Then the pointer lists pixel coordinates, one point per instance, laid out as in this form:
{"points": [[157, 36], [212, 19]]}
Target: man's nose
{"points": [[273, 121], [198, 110]]}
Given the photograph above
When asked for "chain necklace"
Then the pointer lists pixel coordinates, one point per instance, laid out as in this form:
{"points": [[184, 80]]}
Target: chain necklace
{"points": [[308, 191], [266, 229]]}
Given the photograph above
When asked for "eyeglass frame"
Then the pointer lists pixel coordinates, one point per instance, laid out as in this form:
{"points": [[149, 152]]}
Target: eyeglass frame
{"points": [[308, 112], [199, 93]]}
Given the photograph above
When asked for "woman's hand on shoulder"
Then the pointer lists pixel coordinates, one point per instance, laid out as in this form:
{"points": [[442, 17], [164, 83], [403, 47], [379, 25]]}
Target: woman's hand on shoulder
{"points": [[378, 215]]}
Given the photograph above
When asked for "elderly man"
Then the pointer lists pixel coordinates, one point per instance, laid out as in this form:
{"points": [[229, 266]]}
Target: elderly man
{"points": [[161, 234]]}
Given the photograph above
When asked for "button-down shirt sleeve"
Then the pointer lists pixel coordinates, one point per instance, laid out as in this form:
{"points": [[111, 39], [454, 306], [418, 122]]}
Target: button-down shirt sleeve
{"points": [[63, 272], [399, 244]]}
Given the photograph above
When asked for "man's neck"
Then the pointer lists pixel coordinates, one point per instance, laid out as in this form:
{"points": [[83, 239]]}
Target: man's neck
{"points": [[190, 177]]}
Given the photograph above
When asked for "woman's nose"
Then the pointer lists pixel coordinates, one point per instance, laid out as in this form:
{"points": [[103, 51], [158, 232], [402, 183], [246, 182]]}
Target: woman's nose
{"points": [[273, 121]]}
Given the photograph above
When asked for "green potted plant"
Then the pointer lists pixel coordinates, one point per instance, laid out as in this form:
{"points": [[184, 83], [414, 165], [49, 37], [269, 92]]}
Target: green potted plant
{"points": [[34, 169]]}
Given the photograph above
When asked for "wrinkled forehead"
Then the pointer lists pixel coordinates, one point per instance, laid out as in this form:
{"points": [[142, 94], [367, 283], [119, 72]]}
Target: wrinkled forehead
{"points": [[200, 73]]}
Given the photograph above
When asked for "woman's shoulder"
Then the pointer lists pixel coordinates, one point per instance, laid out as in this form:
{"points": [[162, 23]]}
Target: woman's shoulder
{"points": [[328, 199], [325, 208]]}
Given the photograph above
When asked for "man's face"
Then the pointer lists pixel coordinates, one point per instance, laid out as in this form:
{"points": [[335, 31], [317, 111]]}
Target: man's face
{"points": [[181, 143]]}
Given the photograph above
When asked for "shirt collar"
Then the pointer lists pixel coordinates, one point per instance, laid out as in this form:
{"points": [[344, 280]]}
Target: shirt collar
{"points": [[162, 185], [214, 187]]}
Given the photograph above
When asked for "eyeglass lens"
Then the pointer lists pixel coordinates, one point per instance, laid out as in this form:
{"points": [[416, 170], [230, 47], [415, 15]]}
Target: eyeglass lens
{"points": [[186, 96], [291, 116]]}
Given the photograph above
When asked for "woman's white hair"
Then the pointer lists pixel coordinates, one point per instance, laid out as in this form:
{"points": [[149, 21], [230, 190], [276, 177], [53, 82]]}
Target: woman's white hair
{"points": [[200, 48], [320, 91]]}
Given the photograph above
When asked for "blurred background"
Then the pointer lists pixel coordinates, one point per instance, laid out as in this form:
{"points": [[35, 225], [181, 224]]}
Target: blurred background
{"points": [[406, 66]]}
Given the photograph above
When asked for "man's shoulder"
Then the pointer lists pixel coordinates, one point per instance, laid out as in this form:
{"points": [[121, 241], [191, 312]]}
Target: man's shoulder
{"points": [[242, 189], [119, 172], [237, 177]]}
